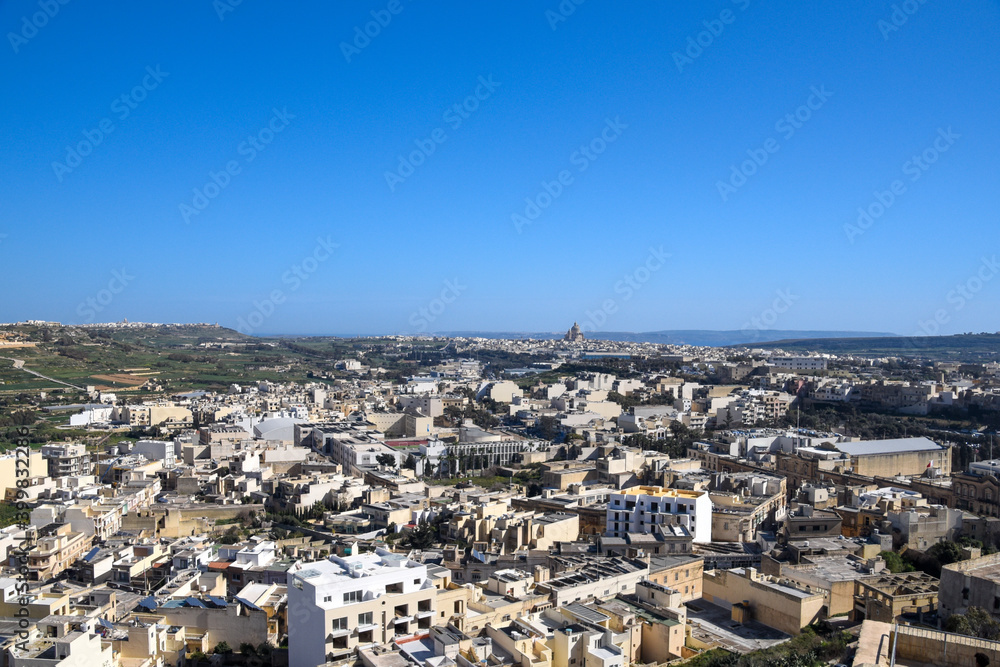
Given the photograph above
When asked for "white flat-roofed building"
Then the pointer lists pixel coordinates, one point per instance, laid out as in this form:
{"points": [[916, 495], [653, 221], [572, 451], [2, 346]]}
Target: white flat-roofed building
{"points": [[353, 446], [798, 363], [340, 604], [638, 509], [157, 450], [258, 555]]}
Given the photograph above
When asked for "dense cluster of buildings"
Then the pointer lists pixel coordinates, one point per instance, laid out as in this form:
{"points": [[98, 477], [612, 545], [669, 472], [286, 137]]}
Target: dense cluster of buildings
{"points": [[360, 520]]}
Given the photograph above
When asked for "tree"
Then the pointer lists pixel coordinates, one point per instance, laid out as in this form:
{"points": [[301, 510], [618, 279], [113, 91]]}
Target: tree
{"points": [[895, 562], [248, 649], [937, 556], [388, 460], [231, 536], [411, 462], [316, 511], [946, 552], [976, 622], [222, 648], [422, 537]]}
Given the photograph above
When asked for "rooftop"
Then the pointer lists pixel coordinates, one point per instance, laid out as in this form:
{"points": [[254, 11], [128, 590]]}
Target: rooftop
{"points": [[659, 492], [892, 446]]}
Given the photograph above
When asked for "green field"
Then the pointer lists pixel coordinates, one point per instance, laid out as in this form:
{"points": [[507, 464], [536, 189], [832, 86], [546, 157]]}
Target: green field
{"points": [[185, 358]]}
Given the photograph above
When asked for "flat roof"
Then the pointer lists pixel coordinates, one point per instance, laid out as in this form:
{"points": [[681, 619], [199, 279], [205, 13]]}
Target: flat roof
{"points": [[891, 446], [659, 492]]}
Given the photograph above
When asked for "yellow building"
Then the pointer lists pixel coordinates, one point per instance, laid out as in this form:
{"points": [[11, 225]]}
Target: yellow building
{"points": [[683, 573], [55, 553], [774, 603]]}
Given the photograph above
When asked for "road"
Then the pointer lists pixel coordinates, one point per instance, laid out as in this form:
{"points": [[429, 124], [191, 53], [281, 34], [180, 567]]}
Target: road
{"points": [[19, 365]]}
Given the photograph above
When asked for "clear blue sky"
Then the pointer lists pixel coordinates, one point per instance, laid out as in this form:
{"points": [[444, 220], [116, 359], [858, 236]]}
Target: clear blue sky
{"points": [[681, 125]]}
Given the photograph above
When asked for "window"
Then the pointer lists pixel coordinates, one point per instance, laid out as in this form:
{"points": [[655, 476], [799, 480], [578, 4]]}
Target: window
{"points": [[352, 596], [327, 598], [339, 623], [365, 619]]}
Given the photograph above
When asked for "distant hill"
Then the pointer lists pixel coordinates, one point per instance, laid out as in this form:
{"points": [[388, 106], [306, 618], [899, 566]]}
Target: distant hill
{"points": [[701, 337], [960, 347]]}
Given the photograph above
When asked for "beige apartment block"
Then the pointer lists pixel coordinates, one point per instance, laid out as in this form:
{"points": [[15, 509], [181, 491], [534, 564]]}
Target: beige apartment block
{"points": [[57, 552], [769, 601], [682, 573]]}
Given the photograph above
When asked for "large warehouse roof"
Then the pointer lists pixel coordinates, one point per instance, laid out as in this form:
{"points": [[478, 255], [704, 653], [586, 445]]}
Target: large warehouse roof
{"points": [[892, 446]]}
